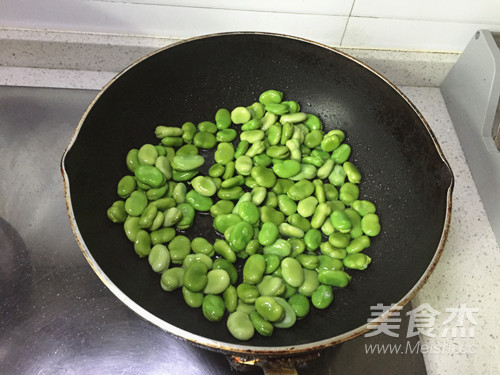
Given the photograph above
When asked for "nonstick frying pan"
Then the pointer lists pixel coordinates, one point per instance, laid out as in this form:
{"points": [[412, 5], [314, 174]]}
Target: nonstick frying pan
{"points": [[404, 173]]}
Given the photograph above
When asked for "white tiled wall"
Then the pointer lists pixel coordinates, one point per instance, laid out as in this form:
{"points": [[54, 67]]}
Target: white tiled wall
{"points": [[428, 25]]}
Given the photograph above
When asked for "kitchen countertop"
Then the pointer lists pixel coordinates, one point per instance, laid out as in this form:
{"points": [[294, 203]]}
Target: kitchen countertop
{"points": [[466, 280]]}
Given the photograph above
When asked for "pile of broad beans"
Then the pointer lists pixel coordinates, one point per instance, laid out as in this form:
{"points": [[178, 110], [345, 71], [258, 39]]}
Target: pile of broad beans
{"points": [[285, 203]]}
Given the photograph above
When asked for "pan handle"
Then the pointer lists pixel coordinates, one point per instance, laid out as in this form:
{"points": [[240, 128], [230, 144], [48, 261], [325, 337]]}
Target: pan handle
{"points": [[269, 370]]}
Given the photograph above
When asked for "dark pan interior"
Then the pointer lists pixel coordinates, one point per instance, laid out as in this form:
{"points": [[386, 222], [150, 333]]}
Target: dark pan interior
{"points": [[403, 172]]}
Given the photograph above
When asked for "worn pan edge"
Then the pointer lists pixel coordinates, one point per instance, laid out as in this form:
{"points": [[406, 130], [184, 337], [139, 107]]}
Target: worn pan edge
{"points": [[240, 348]]}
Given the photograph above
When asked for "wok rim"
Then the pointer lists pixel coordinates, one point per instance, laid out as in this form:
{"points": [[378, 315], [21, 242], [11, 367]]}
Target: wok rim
{"points": [[242, 348]]}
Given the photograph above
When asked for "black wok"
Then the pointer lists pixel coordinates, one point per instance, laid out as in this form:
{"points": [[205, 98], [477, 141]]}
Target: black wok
{"points": [[404, 171]]}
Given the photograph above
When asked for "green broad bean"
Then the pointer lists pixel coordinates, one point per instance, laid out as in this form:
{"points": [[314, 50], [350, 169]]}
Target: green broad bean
{"points": [[312, 239], [230, 298], [331, 192], [278, 152], [195, 278], [142, 243], [188, 132], [358, 244], [221, 207], [132, 159], [253, 246], [293, 106], [126, 186], [335, 278], [207, 126], [300, 222], [172, 141], [172, 279], [247, 293], [313, 138], [161, 236], [326, 262], [293, 146], [341, 154], [147, 154], [316, 160], [282, 186], [201, 258], [159, 258], [157, 221], [292, 272], [257, 110], [222, 248], [280, 248], [287, 131], [298, 246], [187, 162], [224, 153], [179, 247], [352, 172], [277, 108], [198, 201], [253, 124], [274, 134], [313, 122], [357, 261], [337, 176], [216, 170], [288, 230], [301, 190], [223, 221], [218, 282], [200, 245], [223, 264], [272, 263], [263, 176], [289, 317], [271, 200], [327, 228], [233, 181], [226, 135], [341, 221], [300, 304], [310, 284], [168, 131], [213, 307], [326, 169], [370, 224], [186, 150], [363, 207], [348, 193], [116, 213], [333, 252], [259, 195], [240, 115], [309, 261], [192, 299], [240, 326], [233, 193], [249, 212], [204, 186], [188, 214], [336, 205], [293, 117], [330, 143], [322, 297], [339, 239], [157, 193], [243, 165], [252, 136], [147, 216], [271, 286], [223, 119], [229, 171], [321, 213], [307, 171], [338, 133], [256, 149], [261, 325], [204, 140], [269, 308], [319, 191], [268, 213], [286, 204], [253, 270], [179, 193], [241, 234], [356, 229], [241, 149], [307, 206], [271, 96], [287, 168], [136, 203], [263, 160], [181, 176], [149, 175]]}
